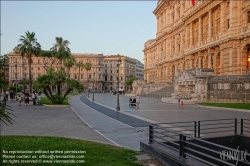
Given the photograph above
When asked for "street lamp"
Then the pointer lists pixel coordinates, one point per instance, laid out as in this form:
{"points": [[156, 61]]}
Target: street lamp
{"points": [[88, 86], [118, 104], [93, 99], [16, 77]]}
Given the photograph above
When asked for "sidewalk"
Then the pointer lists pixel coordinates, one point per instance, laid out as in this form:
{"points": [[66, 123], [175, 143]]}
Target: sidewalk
{"points": [[49, 121], [120, 133]]}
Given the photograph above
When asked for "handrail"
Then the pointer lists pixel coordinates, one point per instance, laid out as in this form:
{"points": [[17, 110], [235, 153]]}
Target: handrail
{"points": [[166, 136], [217, 127], [216, 120]]}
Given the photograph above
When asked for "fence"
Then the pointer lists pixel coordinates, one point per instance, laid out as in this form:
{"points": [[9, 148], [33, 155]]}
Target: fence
{"points": [[185, 138]]}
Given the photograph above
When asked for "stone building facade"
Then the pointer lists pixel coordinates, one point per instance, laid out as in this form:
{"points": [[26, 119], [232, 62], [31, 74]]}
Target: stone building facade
{"points": [[210, 34], [110, 71], [104, 67], [19, 69], [139, 70]]}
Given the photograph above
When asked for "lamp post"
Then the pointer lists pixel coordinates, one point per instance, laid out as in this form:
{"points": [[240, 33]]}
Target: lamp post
{"points": [[16, 77], [88, 86], [93, 99], [118, 104]]}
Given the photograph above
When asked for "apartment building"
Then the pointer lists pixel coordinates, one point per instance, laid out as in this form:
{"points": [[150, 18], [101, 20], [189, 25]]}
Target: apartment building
{"points": [[110, 71], [139, 70]]}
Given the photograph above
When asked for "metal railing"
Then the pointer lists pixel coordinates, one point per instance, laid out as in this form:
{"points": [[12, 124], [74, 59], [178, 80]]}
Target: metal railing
{"points": [[214, 126], [184, 138], [245, 126]]}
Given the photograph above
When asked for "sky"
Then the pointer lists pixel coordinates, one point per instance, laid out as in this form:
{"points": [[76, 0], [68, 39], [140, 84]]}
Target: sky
{"points": [[108, 27]]}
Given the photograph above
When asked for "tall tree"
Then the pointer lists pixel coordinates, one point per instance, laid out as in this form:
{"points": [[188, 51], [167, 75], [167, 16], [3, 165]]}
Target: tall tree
{"points": [[79, 65], [60, 49], [88, 67], [69, 62], [130, 81], [29, 47], [24, 82], [46, 81]]}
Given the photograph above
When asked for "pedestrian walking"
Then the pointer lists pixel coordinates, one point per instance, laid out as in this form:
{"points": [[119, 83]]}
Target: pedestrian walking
{"points": [[19, 100], [137, 100], [7, 95], [11, 96], [33, 96]]}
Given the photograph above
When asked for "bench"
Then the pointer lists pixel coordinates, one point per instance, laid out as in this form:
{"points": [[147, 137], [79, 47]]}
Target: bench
{"points": [[38, 102]]}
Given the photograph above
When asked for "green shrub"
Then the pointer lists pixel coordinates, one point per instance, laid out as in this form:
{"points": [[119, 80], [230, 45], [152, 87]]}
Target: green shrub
{"points": [[14, 89]]}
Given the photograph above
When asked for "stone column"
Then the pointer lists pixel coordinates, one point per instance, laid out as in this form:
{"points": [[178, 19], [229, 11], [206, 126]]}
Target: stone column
{"points": [[199, 37], [20, 72], [191, 33], [158, 26], [222, 17], [199, 61], [191, 63], [209, 60], [233, 14], [209, 24], [164, 19]]}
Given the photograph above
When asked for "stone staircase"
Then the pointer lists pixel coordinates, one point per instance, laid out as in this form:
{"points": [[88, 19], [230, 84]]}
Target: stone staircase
{"points": [[164, 92]]}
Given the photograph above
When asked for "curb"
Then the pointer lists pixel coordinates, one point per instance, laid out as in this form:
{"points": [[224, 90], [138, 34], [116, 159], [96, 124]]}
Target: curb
{"points": [[56, 105], [231, 109]]}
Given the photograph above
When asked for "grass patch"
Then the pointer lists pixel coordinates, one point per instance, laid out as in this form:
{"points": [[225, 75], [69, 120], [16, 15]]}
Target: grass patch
{"points": [[229, 105], [97, 154], [45, 100]]}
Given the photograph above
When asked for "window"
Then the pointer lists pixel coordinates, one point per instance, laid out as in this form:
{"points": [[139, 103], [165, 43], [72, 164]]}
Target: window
{"points": [[38, 61], [75, 76], [99, 69], [81, 76], [228, 23], [89, 76], [25, 68], [106, 78], [110, 70], [121, 78], [117, 65], [39, 75], [38, 68], [111, 78], [75, 69], [110, 65], [105, 65], [99, 76], [248, 16], [117, 71], [117, 78], [106, 71], [25, 75]]}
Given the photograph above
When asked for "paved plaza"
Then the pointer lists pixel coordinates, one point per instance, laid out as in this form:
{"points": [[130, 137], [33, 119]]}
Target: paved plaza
{"points": [[99, 121]]}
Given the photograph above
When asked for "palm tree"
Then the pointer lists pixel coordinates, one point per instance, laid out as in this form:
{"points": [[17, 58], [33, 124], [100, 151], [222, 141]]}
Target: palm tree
{"points": [[61, 49], [88, 67], [69, 62], [29, 47], [79, 65]]}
